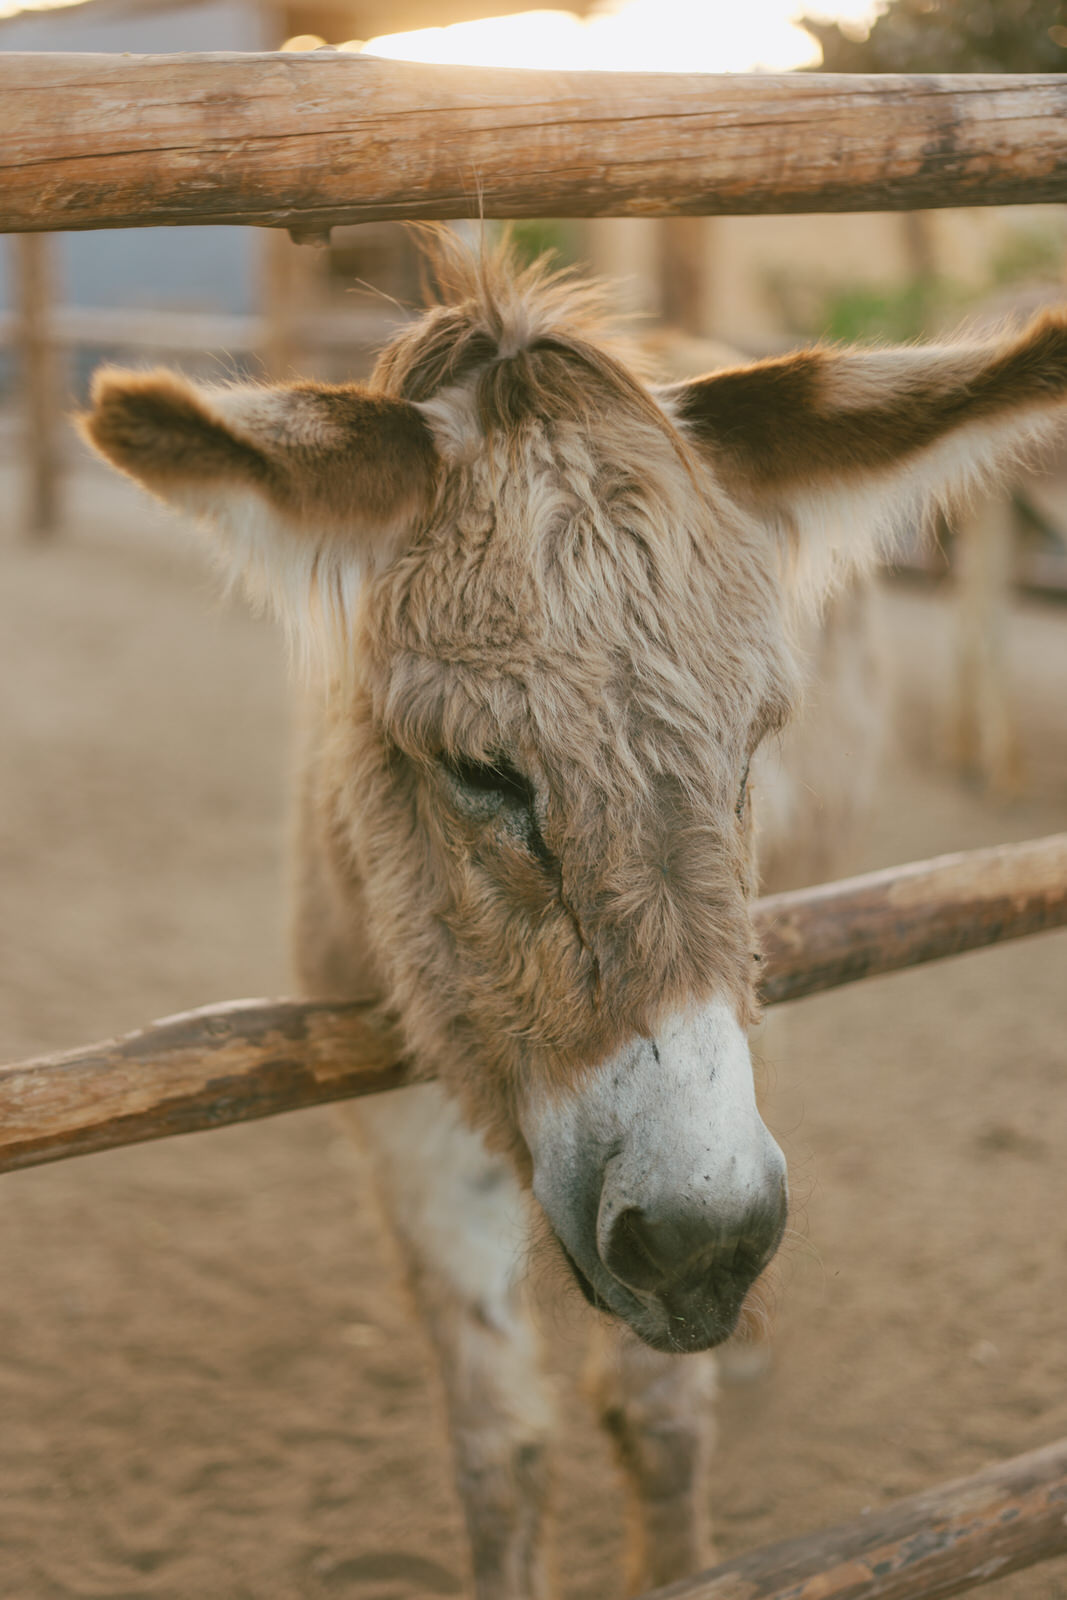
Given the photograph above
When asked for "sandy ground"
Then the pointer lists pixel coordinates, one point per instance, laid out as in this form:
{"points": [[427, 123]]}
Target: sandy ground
{"points": [[209, 1383]]}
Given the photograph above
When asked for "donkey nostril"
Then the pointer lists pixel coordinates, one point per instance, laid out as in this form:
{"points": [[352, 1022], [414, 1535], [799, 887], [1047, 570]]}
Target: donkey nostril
{"points": [[632, 1253], [681, 1249]]}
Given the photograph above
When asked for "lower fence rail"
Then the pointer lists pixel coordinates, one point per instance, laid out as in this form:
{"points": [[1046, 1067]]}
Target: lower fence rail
{"points": [[249, 1059], [941, 1542]]}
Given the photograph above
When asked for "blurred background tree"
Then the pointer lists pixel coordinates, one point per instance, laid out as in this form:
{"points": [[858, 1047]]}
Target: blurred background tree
{"points": [[949, 36], [932, 36]]}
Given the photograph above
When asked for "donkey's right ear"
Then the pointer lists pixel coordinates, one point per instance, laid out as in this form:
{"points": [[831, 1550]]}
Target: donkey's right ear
{"points": [[298, 478]]}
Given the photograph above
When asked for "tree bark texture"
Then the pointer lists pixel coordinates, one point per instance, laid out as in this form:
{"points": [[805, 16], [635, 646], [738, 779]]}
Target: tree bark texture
{"points": [[249, 1059], [309, 140]]}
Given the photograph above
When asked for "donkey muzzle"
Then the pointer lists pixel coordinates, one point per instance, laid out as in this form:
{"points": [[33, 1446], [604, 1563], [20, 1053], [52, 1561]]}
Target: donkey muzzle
{"points": [[661, 1182]]}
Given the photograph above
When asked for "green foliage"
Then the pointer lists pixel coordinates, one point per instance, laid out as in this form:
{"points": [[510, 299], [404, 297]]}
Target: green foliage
{"points": [[533, 236], [1027, 254], [932, 36], [950, 36], [864, 313], [859, 313]]}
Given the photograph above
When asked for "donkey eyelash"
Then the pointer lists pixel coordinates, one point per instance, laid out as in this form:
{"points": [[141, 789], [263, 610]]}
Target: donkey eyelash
{"points": [[490, 777], [499, 779]]}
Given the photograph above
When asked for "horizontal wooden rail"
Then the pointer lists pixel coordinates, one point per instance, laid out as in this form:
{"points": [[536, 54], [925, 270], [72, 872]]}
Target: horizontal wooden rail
{"points": [[310, 140], [934, 1544], [836, 933], [249, 1059], [202, 1069]]}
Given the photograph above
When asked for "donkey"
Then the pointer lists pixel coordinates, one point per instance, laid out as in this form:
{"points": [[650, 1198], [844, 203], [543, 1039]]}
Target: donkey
{"points": [[548, 615]]}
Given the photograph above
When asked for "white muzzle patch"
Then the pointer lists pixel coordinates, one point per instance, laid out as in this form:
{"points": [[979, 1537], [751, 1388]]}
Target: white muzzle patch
{"points": [[661, 1181]]}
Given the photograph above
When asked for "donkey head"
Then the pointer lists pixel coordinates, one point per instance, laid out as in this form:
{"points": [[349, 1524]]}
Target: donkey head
{"points": [[550, 610]]}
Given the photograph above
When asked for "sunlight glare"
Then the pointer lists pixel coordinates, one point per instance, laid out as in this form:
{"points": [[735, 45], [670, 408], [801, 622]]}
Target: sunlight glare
{"points": [[634, 35], [15, 8]]}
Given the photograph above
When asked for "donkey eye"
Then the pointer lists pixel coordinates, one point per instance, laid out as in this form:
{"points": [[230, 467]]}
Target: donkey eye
{"points": [[496, 779], [498, 789]]}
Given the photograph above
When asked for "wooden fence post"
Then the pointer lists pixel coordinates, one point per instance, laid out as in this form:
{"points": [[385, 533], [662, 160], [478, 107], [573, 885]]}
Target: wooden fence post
{"points": [[683, 268], [281, 348], [41, 409]]}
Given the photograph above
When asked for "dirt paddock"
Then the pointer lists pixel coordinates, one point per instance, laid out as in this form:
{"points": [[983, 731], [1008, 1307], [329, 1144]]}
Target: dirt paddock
{"points": [[210, 1388]]}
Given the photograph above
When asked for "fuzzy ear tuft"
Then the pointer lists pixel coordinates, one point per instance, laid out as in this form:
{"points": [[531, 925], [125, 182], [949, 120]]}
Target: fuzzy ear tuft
{"points": [[154, 427], [306, 484], [840, 448], [322, 451]]}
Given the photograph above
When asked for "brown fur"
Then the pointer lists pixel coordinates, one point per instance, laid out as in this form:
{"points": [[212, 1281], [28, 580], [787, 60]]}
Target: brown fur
{"points": [[315, 451], [824, 413], [579, 592]]}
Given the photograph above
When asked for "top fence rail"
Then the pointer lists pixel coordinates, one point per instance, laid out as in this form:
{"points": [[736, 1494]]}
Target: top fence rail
{"points": [[310, 141]]}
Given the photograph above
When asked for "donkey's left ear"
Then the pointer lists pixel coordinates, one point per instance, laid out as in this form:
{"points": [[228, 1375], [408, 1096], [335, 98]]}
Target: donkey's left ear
{"points": [[838, 448], [306, 484]]}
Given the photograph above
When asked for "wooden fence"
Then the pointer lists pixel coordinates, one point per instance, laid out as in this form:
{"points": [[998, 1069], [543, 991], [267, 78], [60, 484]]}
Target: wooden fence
{"points": [[931, 1545], [251, 1059], [306, 142], [255, 1058]]}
